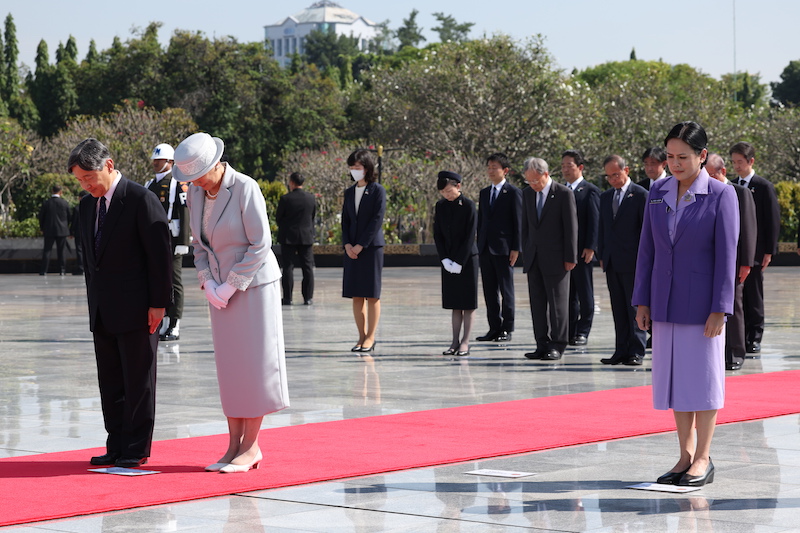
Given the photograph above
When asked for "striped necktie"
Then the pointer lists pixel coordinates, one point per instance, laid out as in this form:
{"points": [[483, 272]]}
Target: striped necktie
{"points": [[101, 217]]}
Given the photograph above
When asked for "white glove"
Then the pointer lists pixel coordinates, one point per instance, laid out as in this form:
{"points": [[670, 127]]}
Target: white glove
{"points": [[211, 294], [446, 264], [455, 268], [181, 249], [225, 291]]}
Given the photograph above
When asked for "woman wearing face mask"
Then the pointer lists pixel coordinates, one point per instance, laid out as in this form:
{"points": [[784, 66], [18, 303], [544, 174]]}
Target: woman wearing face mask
{"points": [[362, 235], [455, 223]]}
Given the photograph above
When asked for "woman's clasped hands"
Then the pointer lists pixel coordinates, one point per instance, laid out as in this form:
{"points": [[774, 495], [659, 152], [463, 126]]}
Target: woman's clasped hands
{"points": [[218, 295]]}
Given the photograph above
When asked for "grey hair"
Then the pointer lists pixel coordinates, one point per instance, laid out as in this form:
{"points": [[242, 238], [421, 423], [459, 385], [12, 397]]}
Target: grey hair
{"points": [[716, 161], [537, 164], [89, 155]]}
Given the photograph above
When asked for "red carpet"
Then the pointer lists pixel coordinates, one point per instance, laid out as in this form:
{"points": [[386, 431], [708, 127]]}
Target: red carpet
{"points": [[57, 485]]}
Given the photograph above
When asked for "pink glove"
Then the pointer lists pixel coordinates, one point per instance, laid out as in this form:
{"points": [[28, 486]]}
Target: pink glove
{"points": [[211, 295], [225, 291]]}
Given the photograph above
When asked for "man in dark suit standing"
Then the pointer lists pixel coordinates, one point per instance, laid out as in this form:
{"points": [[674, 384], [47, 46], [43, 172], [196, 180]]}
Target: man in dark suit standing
{"points": [[549, 253], [128, 270], [295, 218], [499, 231], [581, 287], [172, 195], [655, 166], [743, 156], [54, 222], [621, 218], [735, 346]]}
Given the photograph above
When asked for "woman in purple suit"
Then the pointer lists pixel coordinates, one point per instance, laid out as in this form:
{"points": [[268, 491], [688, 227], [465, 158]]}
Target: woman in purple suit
{"points": [[684, 288]]}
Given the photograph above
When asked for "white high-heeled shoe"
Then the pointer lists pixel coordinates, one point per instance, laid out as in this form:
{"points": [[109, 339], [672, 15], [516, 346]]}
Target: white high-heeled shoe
{"points": [[231, 468], [216, 467]]}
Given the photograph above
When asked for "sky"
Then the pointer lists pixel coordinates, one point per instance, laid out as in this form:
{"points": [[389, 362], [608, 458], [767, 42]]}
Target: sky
{"points": [[578, 33]]}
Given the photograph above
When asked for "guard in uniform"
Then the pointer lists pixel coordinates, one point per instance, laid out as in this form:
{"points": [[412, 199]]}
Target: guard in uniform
{"points": [[172, 195]]}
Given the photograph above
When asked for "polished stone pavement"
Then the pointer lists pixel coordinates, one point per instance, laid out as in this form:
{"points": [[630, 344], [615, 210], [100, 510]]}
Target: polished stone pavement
{"points": [[49, 402]]}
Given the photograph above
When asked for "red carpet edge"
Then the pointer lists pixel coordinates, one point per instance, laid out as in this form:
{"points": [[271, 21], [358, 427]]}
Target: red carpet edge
{"points": [[57, 485]]}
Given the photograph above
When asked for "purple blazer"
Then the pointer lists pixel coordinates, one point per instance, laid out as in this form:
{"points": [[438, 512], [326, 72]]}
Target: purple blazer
{"points": [[686, 281]]}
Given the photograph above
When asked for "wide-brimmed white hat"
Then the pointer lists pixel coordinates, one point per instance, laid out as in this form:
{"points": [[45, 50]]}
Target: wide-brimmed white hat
{"points": [[196, 155]]}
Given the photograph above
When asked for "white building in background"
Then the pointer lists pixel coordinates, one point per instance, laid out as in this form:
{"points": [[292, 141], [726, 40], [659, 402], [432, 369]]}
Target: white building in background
{"points": [[288, 36]]}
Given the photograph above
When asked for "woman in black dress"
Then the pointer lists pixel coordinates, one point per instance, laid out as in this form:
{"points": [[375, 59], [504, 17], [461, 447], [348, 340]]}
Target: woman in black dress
{"points": [[362, 235], [454, 226]]}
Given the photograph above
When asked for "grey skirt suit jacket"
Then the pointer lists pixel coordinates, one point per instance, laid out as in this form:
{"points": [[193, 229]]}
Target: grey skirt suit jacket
{"points": [[248, 334]]}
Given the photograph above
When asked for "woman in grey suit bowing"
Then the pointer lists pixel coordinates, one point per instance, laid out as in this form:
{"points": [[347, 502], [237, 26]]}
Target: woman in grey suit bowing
{"points": [[239, 274], [362, 235]]}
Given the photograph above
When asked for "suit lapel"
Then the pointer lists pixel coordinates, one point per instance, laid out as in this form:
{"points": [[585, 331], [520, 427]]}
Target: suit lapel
{"points": [[223, 197], [552, 196]]}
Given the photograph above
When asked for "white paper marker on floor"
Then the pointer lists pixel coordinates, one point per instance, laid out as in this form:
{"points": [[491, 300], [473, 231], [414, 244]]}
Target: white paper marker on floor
{"points": [[123, 471], [659, 487], [499, 473]]}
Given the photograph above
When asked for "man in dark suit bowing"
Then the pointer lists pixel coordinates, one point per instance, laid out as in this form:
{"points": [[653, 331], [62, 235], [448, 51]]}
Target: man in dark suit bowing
{"points": [[621, 218], [295, 218], [54, 223], [654, 160], [743, 156], [499, 230], [128, 270], [735, 343], [581, 287], [549, 253]]}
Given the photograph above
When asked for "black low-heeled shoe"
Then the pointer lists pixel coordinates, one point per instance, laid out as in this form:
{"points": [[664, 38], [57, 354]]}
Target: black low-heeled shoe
{"points": [[671, 478], [449, 351], [698, 481], [462, 353], [356, 348], [370, 349]]}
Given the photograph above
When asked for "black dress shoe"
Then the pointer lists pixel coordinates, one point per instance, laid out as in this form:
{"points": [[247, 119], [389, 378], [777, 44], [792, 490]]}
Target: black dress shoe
{"points": [[286, 302], [130, 462], [735, 365], [503, 336], [368, 349], [104, 460], [580, 340], [551, 355], [671, 478], [634, 360], [613, 360], [309, 302], [462, 353], [169, 335], [492, 335], [698, 481], [754, 347], [535, 355], [449, 351]]}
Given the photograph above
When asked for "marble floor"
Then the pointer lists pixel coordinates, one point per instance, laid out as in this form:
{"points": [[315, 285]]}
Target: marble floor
{"points": [[49, 402]]}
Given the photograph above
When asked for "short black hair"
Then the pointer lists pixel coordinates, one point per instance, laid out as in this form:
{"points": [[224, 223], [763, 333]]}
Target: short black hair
{"points": [[499, 158], [297, 178], [576, 156], [655, 152], [367, 160], [744, 149]]}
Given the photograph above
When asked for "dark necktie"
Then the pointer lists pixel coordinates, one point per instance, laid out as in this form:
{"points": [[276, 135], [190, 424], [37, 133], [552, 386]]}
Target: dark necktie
{"points": [[493, 197], [539, 204], [101, 217], [615, 203]]}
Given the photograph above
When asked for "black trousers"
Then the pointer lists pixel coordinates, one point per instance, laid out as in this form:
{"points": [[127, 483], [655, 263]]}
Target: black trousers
{"points": [[301, 255], [497, 276], [175, 309], [630, 340], [549, 298], [48, 246], [126, 372], [581, 299], [735, 346], [753, 303]]}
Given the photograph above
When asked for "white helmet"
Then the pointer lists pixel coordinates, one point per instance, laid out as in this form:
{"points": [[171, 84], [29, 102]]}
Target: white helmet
{"points": [[163, 151]]}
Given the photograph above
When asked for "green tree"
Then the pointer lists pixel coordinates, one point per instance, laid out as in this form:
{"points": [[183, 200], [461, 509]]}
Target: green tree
{"points": [[15, 162], [450, 30], [746, 89], [330, 52], [469, 98], [410, 34], [384, 41], [787, 91]]}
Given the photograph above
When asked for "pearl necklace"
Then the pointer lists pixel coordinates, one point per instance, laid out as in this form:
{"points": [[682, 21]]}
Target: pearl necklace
{"points": [[211, 196]]}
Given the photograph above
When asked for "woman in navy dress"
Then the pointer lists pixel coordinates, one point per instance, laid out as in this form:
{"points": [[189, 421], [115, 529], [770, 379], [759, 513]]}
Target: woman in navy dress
{"points": [[455, 223], [685, 287], [362, 235]]}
